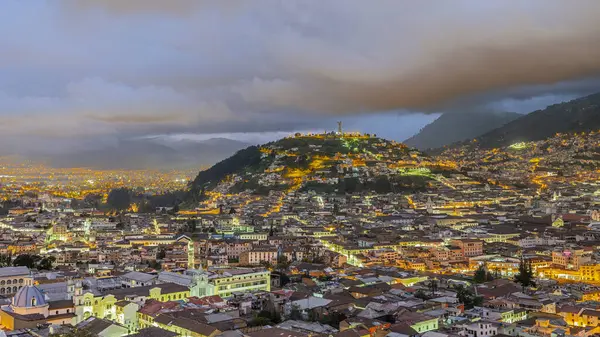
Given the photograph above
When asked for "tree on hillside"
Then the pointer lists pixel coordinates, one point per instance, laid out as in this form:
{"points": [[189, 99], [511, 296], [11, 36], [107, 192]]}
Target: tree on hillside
{"points": [[482, 275], [154, 265], [271, 230], [259, 321], [467, 297], [422, 295], [46, 263], [433, 286], [282, 263], [525, 275], [191, 225], [5, 260], [334, 319]]}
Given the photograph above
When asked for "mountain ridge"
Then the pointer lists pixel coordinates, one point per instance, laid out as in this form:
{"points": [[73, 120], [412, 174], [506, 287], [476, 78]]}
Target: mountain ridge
{"points": [[450, 128], [578, 115], [150, 154]]}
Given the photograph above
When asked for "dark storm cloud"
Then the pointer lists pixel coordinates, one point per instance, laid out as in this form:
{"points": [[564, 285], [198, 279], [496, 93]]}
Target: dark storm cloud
{"points": [[113, 69]]}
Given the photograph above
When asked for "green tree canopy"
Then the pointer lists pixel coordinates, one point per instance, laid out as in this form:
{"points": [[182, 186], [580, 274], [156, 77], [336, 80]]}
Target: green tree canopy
{"points": [[525, 276], [467, 297], [482, 275]]}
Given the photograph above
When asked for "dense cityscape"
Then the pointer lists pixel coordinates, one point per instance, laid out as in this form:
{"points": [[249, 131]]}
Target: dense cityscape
{"points": [[18, 180], [332, 234], [299, 168]]}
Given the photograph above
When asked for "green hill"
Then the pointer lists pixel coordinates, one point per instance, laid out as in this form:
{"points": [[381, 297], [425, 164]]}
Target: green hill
{"points": [[327, 163]]}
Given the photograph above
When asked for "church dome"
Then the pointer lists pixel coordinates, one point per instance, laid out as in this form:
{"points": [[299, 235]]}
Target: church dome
{"points": [[28, 297]]}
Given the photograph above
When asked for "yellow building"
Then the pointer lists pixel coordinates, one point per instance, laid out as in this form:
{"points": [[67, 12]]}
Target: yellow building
{"points": [[104, 305], [590, 272], [229, 281], [592, 295], [583, 317]]}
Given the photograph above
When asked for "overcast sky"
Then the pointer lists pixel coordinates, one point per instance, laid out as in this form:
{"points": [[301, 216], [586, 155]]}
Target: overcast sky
{"points": [[77, 73]]}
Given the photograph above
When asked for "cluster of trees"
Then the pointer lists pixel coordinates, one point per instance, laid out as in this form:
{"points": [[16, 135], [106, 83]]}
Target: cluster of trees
{"points": [[482, 275], [154, 265], [30, 261], [303, 145], [333, 318], [119, 199], [432, 286], [92, 200], [467, 297], [151, 203], [265, 317]]}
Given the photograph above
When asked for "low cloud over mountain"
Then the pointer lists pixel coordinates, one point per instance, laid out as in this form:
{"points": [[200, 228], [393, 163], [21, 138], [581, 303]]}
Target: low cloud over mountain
{"points": [[96, 71]]}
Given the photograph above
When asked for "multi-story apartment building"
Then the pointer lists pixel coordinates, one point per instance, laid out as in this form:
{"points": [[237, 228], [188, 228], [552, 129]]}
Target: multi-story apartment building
{"points": [[269, 254], [226, 282], [235, 248], [469, 247], [570, 258]]}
